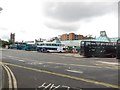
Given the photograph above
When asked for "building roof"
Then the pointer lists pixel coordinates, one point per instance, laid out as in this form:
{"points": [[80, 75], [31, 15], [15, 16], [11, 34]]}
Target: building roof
{"points": [[77, 42]]}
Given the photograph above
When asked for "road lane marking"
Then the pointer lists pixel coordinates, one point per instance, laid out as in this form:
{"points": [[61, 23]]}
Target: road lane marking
{"points": [[107, 66], [56, 63], [53, 86], [68, 88], [74, 71], [21, 60], [111, 63], [67, 76], [85, 66], [11, 77], [48, 87]]}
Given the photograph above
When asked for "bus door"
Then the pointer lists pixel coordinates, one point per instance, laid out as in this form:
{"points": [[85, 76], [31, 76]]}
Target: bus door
{"points": [[118, 49], [82, 45]]}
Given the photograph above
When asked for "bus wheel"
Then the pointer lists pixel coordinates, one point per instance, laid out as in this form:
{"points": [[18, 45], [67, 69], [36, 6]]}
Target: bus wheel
{"points": [[44, 50], [60, 51]]}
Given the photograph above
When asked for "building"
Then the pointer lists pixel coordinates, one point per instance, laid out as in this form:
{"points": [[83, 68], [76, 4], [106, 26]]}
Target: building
{"points": [[64, 37], [103, 38], [39, 40], [12, 37], [71, 36]]}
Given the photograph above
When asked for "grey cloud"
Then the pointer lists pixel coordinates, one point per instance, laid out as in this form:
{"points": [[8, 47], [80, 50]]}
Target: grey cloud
{"points": [[75, 11], [63, 27]]}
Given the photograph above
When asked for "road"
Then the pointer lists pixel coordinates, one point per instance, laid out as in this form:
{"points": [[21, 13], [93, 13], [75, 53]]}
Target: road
{"points": [[26, 69]]}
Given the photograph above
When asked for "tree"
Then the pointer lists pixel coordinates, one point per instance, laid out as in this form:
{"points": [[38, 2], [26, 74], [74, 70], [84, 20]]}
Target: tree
{"points": [[10, 42], [4, 43]]}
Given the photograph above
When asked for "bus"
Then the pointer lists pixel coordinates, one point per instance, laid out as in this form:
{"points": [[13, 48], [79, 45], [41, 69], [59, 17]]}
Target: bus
{"points": [[50, 47], [118, 49], [30, 47], [21, 46], [97, 49], [18, 46]]}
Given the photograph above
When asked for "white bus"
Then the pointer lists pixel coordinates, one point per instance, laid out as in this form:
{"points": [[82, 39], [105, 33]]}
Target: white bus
{"points": [[50, 47]]}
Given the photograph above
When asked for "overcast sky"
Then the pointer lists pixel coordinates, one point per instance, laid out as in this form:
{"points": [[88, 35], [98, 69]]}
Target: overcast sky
{"points": [[34, 19]]}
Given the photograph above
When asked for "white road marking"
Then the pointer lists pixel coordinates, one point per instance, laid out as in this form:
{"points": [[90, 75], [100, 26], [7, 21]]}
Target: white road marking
{"points": [[85, 66], [10, 56], [69, 67], [40, 63], [111, 63], [42, 85], [51, 86], [74, 71], [91, 66], [45, 65], [66, 76], [48, 86], [66, 87], [56, 63], [55, 87], [21, 60]]}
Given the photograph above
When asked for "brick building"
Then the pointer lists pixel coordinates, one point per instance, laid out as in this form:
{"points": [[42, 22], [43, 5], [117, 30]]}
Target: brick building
{"points": [[64, 37], [71, 36]]}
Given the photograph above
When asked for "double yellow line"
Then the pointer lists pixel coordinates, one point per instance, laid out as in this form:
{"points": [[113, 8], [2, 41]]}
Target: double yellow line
{"points": [[52, 73], [67, 76], [12, 82]]}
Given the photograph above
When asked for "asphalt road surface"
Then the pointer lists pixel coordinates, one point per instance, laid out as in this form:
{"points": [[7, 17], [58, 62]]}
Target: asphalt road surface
{"points": [[52, 71]]}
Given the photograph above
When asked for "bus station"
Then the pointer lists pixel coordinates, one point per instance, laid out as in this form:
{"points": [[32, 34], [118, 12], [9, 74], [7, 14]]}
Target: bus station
{"points": [[102, 46]]}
